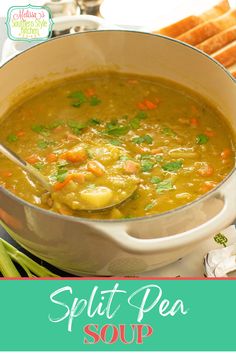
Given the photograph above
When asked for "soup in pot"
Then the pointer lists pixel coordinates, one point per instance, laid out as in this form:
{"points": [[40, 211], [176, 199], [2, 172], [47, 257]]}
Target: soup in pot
{"points": [[102, 138]]}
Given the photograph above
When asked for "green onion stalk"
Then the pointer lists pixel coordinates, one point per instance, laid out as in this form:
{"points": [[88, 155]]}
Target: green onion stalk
{"points": [[9, 255]]}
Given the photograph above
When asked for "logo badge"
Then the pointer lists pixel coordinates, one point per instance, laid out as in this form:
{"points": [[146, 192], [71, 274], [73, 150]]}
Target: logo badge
{"points": [[29, 23]]}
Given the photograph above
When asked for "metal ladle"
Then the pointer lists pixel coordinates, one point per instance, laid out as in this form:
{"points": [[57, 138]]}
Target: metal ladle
{"points": [[45, 183]]}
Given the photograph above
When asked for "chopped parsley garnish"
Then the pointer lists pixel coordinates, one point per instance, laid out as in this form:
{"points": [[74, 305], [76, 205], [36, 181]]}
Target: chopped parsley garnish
{"points": [[62, 164], [12, 138], [147, 165], [168, 131], [39, 165], [141, 115], [172, 166], [112, 124], [117, 130], [159, 158], [149, 206], [146, 157], [164, 186], [202, 139], [147, 139], [40, 129], [76, 127], [135, 122], [115, 142], [94, 101], [94, 121], [43, 144], [79, 98], [155, 180], [61, 175], [55, 124]]}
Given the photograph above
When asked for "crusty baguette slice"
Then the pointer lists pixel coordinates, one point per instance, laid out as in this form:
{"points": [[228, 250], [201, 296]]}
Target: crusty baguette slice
{"points": [[219, 9], [218, 41], [227, 55], [189, 22], [208, 29]]}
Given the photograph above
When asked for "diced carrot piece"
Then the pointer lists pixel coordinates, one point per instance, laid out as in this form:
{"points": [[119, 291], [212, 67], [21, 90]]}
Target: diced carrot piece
{"points": [[20, 133], [6, 174], [156, 151], [142, 106], [226, 153], [147, 105], [32, 159], [131, 167], [59, 185], [194, 122], [150, 105], [90, 92], [206, 171], [209, 133], [79, 155], [52, 157], [96, 168]]}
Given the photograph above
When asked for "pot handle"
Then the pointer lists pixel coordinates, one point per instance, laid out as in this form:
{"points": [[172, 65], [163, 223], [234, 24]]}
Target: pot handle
{"points": [[136, 245]]}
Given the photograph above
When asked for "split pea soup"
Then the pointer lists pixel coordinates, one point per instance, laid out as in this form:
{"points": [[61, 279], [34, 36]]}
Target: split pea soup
{"points": [[100, 136]]}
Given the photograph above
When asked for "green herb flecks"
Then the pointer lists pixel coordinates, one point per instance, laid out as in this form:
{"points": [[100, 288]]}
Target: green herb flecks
{"points": [[116, 130], [150, 206], [40, 129], [43, 144], [135, 122], [56, 124], [94, 121], [61, 175], [164, 186], [115, 142], [38, 165], [147, 165], [172, 166], [76, 127], [202, 139], [94, 101], [78, 98], [155, 180], [12, 138], [145, 139], [168, 131]]}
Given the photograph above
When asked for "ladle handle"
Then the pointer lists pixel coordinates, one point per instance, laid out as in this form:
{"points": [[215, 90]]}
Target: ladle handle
{"points": [[11, 155]]}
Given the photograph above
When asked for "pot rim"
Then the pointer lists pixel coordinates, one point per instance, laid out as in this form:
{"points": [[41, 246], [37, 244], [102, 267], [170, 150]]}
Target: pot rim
{"points": [[134, 219]]}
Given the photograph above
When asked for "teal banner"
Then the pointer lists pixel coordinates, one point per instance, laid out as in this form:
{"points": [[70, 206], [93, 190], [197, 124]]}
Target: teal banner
{"points": [[118, 315]]}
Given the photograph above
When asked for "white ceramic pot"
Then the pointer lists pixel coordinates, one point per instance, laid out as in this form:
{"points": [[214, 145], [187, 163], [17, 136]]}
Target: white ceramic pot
{"points": [[121, 247]]}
